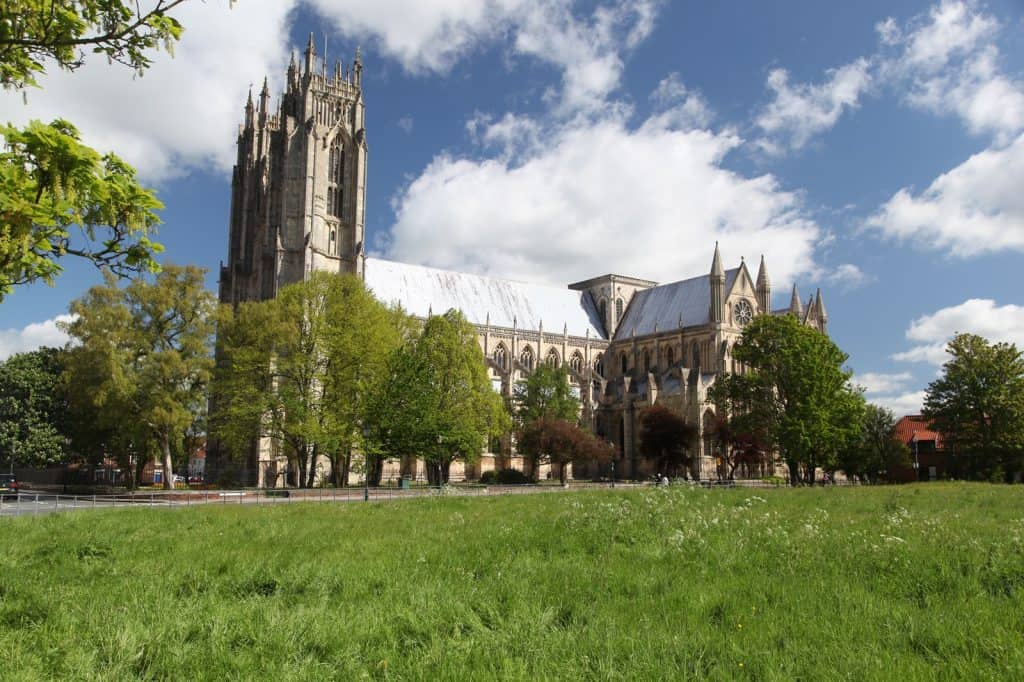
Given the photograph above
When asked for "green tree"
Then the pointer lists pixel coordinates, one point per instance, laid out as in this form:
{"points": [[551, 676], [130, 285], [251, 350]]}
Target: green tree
{"points": [[437, 402], [32, 412], [34, 33], [143, 360], [302, 369], [667, 438], [545, 393], [795, 392], [59, 197], [560, 442], [876, 451], [978, 405]]}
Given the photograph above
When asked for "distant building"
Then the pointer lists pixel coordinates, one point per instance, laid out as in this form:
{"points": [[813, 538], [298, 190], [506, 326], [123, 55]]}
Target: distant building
{"points": [[929, 459], [298, 205]]}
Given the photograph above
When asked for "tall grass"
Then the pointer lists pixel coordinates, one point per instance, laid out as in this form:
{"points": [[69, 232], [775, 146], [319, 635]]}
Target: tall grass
{"points": [[905, 583]]}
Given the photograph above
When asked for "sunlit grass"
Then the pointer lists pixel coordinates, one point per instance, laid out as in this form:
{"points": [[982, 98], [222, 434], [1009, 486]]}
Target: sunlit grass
{"points": [[868, 583]]}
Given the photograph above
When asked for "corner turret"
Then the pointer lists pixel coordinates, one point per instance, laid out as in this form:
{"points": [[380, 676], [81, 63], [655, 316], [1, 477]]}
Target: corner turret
{"points": [[795, 306], [717, 288], [764, 288]]}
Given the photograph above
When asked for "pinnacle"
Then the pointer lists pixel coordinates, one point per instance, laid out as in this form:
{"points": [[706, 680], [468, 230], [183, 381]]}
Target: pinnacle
{"points": [[716, 264]]}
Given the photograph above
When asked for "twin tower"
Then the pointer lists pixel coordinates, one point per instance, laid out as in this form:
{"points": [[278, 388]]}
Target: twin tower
{"points": [[298, 193]]}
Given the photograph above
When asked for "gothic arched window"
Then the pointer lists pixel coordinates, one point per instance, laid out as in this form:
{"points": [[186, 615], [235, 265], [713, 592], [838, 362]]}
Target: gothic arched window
{"points": [[696, 356], [526, 358], [647, 361], [618, 310], [603, 310], [335, 180], [576, 362], [599, 364], [670, 355], [552, 358], [624, 362], [501, 357]]}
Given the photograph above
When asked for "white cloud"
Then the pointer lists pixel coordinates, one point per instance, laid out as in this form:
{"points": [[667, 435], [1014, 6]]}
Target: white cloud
{"points": [[184, 111], [975, 316], [33, 336], [902, 403], [947, 62], [432, 35], [876, 382], [944, 61], [597, 188], [405, 123], [847, 275], [678, 106], [799, 112], [976, 208]]}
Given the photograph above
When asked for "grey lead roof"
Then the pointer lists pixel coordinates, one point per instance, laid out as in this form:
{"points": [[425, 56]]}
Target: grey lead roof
{"points": [[421, 290], [665, 305]]}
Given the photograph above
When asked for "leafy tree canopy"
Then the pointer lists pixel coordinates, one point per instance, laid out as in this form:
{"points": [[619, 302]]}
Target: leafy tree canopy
{"points": [[666, 437], [303, 369], [34, 32], [978, 405], [32, 414], [561, 442], [59, 197], [143, 360], [545, 394], [438, 402], [876, 450], [795, 392]]}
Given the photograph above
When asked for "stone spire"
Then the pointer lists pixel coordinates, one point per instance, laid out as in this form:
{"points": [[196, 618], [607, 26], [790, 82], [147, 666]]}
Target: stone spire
{"points": [[264, 100], [310, 55], [717, 287], [357, 69], [293, 71], [248, 109], [795, 306], [819, 309], [764, 287]]}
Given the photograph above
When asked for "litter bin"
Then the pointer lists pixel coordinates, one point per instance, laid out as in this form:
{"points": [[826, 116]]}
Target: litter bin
{"points": [[406, 482]]}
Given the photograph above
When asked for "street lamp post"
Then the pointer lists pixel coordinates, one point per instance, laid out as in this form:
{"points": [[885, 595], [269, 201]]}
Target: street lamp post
{"points": [[366, 464]]}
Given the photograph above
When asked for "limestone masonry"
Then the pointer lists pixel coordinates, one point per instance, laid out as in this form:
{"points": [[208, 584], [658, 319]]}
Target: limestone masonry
{"points": [[298, 203]]}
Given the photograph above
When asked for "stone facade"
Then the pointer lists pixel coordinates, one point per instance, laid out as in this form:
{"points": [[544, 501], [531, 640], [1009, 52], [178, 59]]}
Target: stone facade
{"points": [[298, 201]]}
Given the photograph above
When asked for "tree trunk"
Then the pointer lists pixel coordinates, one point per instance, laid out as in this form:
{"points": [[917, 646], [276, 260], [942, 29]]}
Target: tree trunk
{"points": [[794, 471], [165, 446], [375, 467], [433, 473], [446, 466]]}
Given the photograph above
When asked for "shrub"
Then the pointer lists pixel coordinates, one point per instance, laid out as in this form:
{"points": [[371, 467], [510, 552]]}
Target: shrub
{"points": [[512, 477], [489, 477]]}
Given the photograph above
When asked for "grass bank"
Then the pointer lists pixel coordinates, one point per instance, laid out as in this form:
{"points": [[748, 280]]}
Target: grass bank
{"points": [[873, 583]]}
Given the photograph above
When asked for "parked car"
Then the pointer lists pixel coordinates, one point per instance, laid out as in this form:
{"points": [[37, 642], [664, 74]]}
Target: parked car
{"points": [[8, 485]]}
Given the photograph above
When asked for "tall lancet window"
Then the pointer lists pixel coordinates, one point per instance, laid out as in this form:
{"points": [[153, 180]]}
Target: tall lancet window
{"points": [[335, 180]]}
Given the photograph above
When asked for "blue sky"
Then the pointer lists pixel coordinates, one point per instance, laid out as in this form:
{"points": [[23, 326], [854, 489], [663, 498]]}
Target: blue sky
{"points": [[873, 149]]}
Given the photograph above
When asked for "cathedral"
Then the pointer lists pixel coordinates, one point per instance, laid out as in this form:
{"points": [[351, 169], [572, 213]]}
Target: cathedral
{"points": [[298, 203]]}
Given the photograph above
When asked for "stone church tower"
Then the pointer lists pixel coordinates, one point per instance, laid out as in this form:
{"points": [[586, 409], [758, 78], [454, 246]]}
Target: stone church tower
{"points": [[298, 193]]}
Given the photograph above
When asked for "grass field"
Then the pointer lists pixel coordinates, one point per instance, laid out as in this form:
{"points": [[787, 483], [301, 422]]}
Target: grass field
{"points": [[914, 582]]}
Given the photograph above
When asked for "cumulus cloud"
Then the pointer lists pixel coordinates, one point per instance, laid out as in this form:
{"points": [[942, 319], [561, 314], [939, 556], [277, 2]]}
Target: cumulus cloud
{"points": [[679, 106], [875, 383], [430, 36], [997, 323], [597, 188], [405, 123], [973, 209], [944, 61], [183, 113], [800, 111], [33, 336], [847, 276], [909, 403]]}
